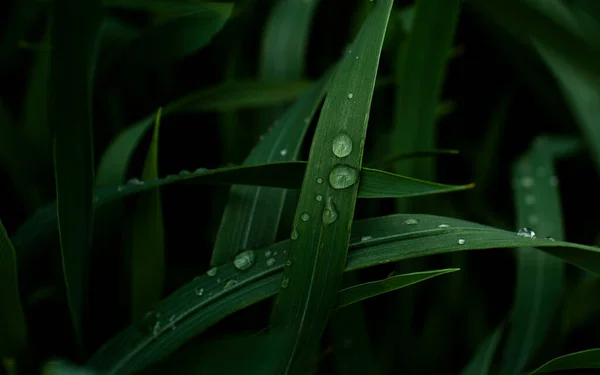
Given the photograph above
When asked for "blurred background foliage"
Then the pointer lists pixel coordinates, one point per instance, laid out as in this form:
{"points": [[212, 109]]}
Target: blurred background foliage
{"points": [[223, 73]]}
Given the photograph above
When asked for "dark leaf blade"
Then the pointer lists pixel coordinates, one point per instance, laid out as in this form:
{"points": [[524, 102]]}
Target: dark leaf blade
{"points": [[584, 359], [481, 363], [76, 29]]}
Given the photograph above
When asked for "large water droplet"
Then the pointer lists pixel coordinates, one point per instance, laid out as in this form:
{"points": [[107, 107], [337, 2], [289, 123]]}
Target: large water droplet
{"points": [[212, 272], [244, 260], [294, 235], [330, 214], [230, 283], [199, 291], [411, 221], [271, 261], [526, 232], [283, 152], [285, 282], [462, 241], [305, 217], [342, 145], [343, 176], [350, 95]]}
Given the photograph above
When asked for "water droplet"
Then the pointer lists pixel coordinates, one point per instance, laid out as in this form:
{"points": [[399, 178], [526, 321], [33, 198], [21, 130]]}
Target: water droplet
{"points": [[244, 260], [212, 272], [342, 176], [271, 261], [357, 57], [342, 145], [305, 217], [294, 235], [275, 253], [533, 219], [319, 197], [285, 282], [319, 180], [530, 199], [156, 328], [553, 181], [200, 170], [288, 262], [135, 181], [461, 241], [172, 322], [120, 188], [443, 226], [199, 291], [219, 281], [550, 239], [306, 120], [230, 283], [350, 95], [527, 182], [185, 172], [268, 253], [526, 232], [330, 214], [411, 221], [366, 238], [283, 152]]}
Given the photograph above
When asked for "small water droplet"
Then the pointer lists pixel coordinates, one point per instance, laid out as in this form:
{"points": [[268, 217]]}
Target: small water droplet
{"points": [[271, 261], [185, 172], [550, 239], [526, 232], [319, 180], [527, 182], [275, 253], [306, 120], [319, 197], [285, 282], [212, 272], [357, 57], [135, 181], [120, 188], [305, 217], [288, 263], [533, 219], [244, 260], [461, 241], [294, 235], [343, 176], [342, 145], [443, 226], [530, 199], [172, 322], [366, 238], [268, 253], [411, 221], [230, 283], [199, 291], [156, 328], [283, 152], [200, 170], [330, 214], [553, 181], [350, 95]]}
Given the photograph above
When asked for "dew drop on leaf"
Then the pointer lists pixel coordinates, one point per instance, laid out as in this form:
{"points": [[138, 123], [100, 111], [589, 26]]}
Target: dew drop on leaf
{"points": [[244, 260], [343, 176], [342, 145], [526, 232]]}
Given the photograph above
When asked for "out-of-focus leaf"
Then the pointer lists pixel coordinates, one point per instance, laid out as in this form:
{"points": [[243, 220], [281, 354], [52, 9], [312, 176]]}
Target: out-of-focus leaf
{"points": [[584, 359], [481, 363]]}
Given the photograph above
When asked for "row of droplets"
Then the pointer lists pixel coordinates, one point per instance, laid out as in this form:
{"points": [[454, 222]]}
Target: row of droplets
{"points": [[136, 181]]}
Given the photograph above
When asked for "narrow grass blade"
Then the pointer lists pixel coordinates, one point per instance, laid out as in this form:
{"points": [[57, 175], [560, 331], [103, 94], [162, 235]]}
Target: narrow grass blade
{"points": [[147, 241], [64, 368], [252, 213], [584, 359], [363, 291], [539, 283], [420, 68], [74, 42], [226, 289], [288, 175], [13, 329], [322, 226], [481, 363]]}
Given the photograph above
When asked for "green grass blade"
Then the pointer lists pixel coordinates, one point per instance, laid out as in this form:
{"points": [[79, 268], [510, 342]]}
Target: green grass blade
{"points": [[539, 283], [421, 67], [322, 227], [75, 34], [13, 329], [224, 290], [481, 363], [584, 359], [363, 291], [147, 241], [288, 175], [65, 368], [252, 213]]}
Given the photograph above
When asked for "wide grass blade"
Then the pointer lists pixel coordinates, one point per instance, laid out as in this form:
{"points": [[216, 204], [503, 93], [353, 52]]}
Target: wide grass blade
{"points": [[288, 175], [481, 363], [539, 283], [147, 239], [363, 291], [226, 289], [584, 359], [252, 213], [75, 34], [13, 329], [322, 226]]}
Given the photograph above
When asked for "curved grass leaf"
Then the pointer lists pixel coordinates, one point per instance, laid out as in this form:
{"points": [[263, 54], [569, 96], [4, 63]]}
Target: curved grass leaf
{"points": [[584, 359], [75, 36], [224, 290], [539, 283], [321, 227], [481, 363], [13, 329], [65, 368], [363, 291], [147, 239], [288, 175], [251, 214]]}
